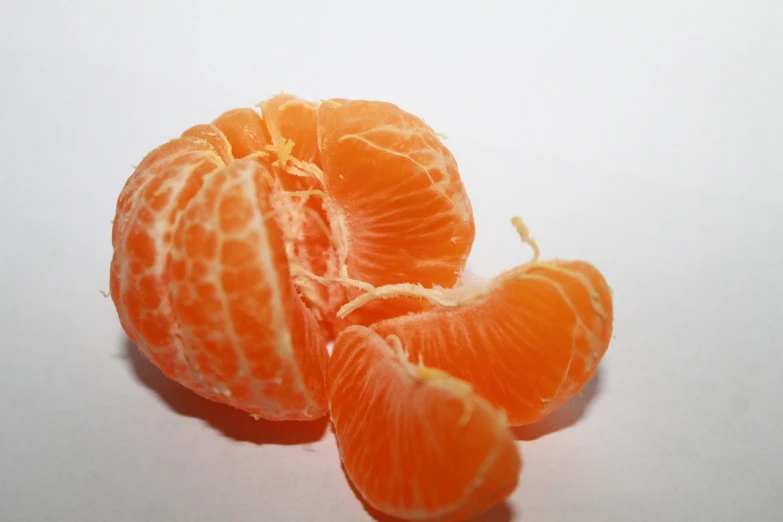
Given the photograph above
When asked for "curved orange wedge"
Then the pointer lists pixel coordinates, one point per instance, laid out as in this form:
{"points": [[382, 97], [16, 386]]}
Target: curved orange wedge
{"points": [[527, 340], [417, 443]]}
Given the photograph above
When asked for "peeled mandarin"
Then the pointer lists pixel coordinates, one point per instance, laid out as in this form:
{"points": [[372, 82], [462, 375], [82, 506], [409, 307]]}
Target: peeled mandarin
{"points": [[527, 340]]}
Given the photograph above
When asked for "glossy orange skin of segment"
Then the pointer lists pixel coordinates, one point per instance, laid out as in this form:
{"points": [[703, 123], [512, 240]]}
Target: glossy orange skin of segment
{"points": [[528, 341], [416, 447], [201, 284], [406, 213]]}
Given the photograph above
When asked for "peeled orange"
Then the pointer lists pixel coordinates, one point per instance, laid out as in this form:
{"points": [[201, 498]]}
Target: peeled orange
{"points": [[200, 279], [233, 242], [245, 245]]}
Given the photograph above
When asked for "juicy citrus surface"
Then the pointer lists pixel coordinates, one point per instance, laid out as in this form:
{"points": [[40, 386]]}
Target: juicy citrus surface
{"points": [[527, 341], [237, 244], [417, 443], [240, 313], [405, 211], [200, 280]]}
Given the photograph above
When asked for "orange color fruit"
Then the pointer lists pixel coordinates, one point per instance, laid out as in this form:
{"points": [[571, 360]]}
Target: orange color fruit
{"points": [[201, 283], [310, 240], [416, 443], [234, 296], [245, 245], [289, 117], [397, 197], [527, 340]]}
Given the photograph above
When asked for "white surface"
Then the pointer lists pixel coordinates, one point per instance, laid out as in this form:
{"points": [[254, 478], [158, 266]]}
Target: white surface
{"points": [[642, 136]]}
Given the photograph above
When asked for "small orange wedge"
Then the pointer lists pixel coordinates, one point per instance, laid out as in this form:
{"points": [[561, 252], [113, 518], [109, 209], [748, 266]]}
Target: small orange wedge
{"points": [[416, 443]]}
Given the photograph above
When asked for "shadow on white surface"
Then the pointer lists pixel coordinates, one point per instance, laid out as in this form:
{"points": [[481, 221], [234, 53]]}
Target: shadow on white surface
{"points": [[566, 415], [231, 422]]}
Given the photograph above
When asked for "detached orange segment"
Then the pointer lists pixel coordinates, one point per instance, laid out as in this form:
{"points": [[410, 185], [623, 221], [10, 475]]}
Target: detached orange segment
{"points": [[417, 443], [398, 198], [214, 138], [527, 341], [201, 283], [194, 140]]}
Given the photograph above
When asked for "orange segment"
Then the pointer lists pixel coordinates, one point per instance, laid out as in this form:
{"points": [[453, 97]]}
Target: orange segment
{"points": [[245, 130], [527, 341], [214, 137], [204, 318], [156, 159], [238, 245], [291, 118], [417, 443], [398, 198], [142, 239], [250, 340]]}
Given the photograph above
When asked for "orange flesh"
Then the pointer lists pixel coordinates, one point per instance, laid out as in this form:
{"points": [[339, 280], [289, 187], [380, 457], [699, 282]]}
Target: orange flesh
{"points": [[233, 247], [152, 204], [309, 231], [214, 138], [240, 319], [407, 215], [194, 294], [245, 130], [171, 309], [290, 118], [416, 443], [528, 342]]}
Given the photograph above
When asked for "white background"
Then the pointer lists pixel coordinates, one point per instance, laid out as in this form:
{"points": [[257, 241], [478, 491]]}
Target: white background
{"points": [[645, 136]]}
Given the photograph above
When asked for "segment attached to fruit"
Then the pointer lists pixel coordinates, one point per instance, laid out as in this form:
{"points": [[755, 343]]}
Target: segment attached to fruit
{"points": [[398, 199], [201, 283], [232, 242]]}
